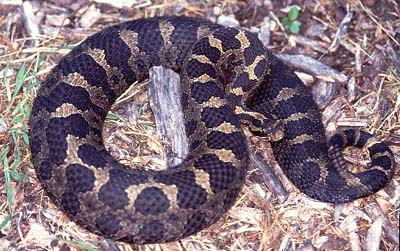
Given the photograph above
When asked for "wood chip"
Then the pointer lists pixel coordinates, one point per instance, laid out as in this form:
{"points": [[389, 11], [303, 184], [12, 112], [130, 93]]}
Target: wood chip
{"points": [[352, 122], [351, 89], [341, 31], [57, 20], [391, 232], [125, 3], [319, 241], [10, 2], [228, 21], [354, 238], [269, 177], [29, 20], [313, 44], [313, 66], [265, 31], [323, 92], [90, 17], [373, 240]]}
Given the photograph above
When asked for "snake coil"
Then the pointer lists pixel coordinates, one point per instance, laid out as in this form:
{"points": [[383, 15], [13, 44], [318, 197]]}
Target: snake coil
{"points": [[228, 79]]}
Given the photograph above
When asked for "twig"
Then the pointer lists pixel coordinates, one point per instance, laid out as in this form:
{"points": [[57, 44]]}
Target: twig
{"points": [[313, 44], [265, 31], [164, 95], [391, 232], [341, 31], [312, 66], [269, 177], [29, 21]]}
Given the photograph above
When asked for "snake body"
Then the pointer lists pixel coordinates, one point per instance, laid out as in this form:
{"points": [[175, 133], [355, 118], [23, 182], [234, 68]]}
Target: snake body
{"points": [[228, 79]]}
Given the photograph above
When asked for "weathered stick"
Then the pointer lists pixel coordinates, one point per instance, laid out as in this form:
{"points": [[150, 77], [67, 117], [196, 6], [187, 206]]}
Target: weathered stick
{"points": [[164, 95]]}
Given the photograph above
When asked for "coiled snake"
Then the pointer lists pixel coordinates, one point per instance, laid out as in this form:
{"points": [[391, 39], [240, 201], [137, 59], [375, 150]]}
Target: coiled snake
{"points": [[228, 79]]}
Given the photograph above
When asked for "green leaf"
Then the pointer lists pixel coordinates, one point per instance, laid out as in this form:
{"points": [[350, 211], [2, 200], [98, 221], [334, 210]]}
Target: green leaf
{"points": [[295, 27], [25, 138], [6, 220], [293, 13], [82, 245], [21, 75], [3, 155], [112, 117], [17, 160], [20, 177], [9, 189], [285, 21]]}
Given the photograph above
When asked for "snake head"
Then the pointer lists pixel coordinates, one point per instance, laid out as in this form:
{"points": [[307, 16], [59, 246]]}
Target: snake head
{"points": [[272, 131]]}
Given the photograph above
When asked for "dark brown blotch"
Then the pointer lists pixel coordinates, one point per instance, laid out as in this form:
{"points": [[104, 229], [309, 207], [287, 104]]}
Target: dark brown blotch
{"points": [[107, 224], [152, 232], [45, 170], [91, 156], [113, 192], [151, 200], [190, 195], [229, 141], [195, 223], [80, 178], [222, 174], [70, 203]]}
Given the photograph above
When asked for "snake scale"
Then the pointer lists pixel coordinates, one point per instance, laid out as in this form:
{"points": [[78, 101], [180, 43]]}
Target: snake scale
{"points": [[228, 79]]}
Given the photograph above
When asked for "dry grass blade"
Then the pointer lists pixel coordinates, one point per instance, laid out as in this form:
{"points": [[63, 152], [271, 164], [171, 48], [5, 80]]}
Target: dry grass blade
{"points": [[376, 21]]}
